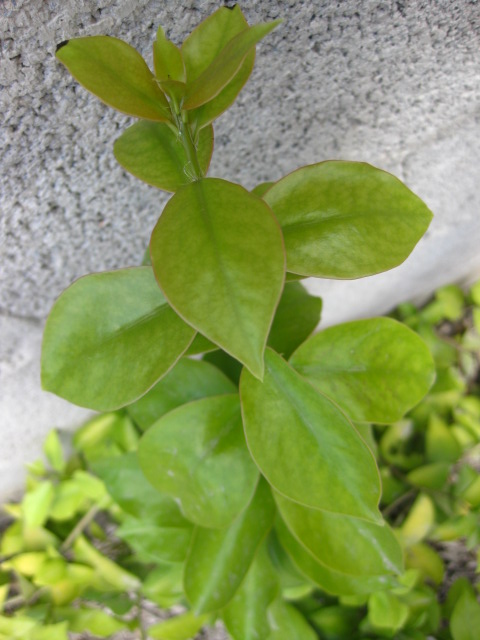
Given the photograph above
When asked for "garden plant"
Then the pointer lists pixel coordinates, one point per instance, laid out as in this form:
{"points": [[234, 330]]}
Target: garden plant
{"points": [[253, 494]]}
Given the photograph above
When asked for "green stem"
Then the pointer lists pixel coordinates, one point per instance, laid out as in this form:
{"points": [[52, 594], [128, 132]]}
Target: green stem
{"points": [[81, 525], [185, 134]]}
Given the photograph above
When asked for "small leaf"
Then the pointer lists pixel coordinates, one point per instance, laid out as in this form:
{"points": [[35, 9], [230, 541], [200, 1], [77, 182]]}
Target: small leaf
{"points": [[109, 337], [465, 621], [422, 557], [218, 560], [117, 74], [53, 450], [287, 623], [36, 504], [197, 454], [346, 219], [430, 476], [188, 380], [375, 370], [110, 572], [163, 585], [419, 521], [341, 543], [297, 315], [440, 444], [152, 152], [167, 59], [95, 621], [246, 614], [386, 611], [305, 446], [182, 627], [217, 253]]}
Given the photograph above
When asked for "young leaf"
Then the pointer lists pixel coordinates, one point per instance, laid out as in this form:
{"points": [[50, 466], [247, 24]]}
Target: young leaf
{"points": [[246, 614], [197, 454], [117, 74], [219, 559], [287, 623], [167, 59], [182, 627], [465, 621], [109, 337], [52, 448], [386, 611], [305, 446], [297, 315], [152, 152], [375, 370], [217, 253], [333, 582], [203, 45], [346, 219], [188, 380], [99, 623], [224, 67], [342, 543]]}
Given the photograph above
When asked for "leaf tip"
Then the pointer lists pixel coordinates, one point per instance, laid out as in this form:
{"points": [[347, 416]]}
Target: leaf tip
{"points": [[60, 45]]}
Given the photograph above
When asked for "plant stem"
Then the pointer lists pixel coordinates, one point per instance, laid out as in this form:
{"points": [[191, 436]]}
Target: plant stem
{"points": [[18, 601], [81, 525], [189, 146]]}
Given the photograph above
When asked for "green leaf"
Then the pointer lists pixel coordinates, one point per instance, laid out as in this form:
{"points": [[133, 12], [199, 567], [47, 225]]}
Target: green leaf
{"points": [[225, 363], [419, 520], [333, 582], [199, 345], [341, 543], [203, 45], [218, 560], [163, 585], [152, 152], [440, 444], [36, 504], [261, 189], [346, 219], [182, 627], [197, 454], [287, 623], [246, 614], [422, 557], [386, 611], [53, 450], [117, 74], [305, 446], [188, 380], [167, 59], [154, 543], [430, 476], [217, 252], [298, 314], [224, 67], [110, 572], [95, 621], [109, 337], [375, 370]]}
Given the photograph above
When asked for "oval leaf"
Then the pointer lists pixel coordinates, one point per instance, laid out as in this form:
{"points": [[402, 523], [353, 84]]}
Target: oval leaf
{"points": [[305, 446], [188, 380], [375, 370], [167, 59], [287, 623], [219, 559], [152, 152], [197, 454], [117, 74], [350, 545], [109, 337], [217, 252], [346, 219]]}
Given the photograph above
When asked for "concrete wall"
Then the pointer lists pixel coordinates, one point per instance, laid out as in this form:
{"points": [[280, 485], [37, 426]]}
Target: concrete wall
{"points": [[393, 83]]}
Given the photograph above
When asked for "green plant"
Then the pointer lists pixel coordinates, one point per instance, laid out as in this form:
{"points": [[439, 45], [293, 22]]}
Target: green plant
{"points": [[275, 478], [55, 574]]}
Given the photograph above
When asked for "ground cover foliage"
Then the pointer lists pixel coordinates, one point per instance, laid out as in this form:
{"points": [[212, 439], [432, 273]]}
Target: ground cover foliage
{"points": [[235, 454]]}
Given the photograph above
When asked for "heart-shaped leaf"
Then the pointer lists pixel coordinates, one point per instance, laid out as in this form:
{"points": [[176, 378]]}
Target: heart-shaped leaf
{"points": [[117, 74], [217, 253], [305, 446], [219, 559], [197, 454], [341, 543], [375, 370], [152, 152], [188, 380], [109, 337], [346, 219]]}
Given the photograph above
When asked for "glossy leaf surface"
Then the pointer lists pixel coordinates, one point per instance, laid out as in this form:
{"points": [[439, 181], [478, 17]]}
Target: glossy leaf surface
{"points": [[386, 611], [297, 315], [224, 66], [167, 59], [117, 74], [246, 614], [346, 219], [217, 253], [197, 454], [154, 543], [152, 152], [287, 623], [341, 543], [109, 337], [219, 558], [188, 380], [375, 370], [305, 446], [331, 581]]}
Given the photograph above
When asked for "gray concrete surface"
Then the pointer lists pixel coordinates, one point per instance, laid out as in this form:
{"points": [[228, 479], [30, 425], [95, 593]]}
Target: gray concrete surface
{"points": [[393, 83]]}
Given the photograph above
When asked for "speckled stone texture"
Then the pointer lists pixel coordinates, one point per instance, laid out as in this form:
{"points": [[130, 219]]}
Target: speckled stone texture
{"points": [[389, 82]]}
